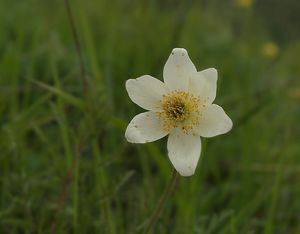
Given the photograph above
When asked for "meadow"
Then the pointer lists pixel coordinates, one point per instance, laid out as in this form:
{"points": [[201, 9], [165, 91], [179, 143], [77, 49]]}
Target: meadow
{"points": [[65, 165]]}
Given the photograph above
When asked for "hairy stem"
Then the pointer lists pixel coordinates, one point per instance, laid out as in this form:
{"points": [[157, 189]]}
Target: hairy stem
{"points": [[168, 191]]}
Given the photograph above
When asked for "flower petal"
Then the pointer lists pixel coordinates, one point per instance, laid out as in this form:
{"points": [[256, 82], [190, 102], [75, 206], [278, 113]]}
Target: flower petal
{"points": [[204, 85], [145, 127], [146, 91], [178, 70], [213, 121], [184, 151]]}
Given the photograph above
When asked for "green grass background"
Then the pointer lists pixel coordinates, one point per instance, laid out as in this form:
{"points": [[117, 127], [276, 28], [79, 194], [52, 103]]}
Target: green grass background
{"points": [[65, 166]]}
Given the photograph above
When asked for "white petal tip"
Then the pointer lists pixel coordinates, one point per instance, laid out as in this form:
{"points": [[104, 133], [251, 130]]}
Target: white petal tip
{"points": [[230, 124], [129, 137], [179, 51], [144, 127], [210, 73], [128, 82], [214, 73], [186, 174], [133, 136], [214, 70], [227, 125]]}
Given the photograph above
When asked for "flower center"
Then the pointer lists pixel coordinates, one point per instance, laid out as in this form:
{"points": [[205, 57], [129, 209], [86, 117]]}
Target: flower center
{"points": [[180, 109], [175, 109]]}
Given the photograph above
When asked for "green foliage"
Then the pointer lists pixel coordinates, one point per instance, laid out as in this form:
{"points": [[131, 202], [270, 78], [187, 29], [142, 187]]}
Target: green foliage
{"points": [[65, 166]]}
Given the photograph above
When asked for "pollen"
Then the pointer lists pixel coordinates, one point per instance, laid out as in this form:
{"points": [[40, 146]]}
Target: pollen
{"points": [[180, 109]]}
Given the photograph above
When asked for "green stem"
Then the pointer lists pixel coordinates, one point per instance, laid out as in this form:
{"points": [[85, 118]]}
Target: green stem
{"points": [[168, 191], [77, 46]]}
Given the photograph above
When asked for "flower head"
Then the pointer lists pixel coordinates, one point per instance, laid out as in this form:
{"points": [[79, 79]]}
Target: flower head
{"points": [[181, 107]]}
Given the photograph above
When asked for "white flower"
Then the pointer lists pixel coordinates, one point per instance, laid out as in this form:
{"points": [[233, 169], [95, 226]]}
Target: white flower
{"points": [[181, 107]]}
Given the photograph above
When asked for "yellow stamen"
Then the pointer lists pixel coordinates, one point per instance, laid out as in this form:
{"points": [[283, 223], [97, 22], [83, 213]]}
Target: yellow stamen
{"points": [[180, 109]]}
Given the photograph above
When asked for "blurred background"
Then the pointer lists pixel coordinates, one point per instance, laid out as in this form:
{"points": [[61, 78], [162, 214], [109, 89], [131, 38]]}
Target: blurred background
{"points": [[65, 166]]}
